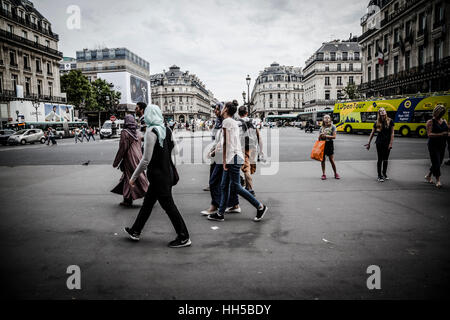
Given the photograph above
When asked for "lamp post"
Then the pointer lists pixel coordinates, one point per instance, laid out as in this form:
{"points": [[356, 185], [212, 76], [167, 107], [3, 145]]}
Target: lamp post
{"points": [[244, 96], [248, 79], [36, 107]]}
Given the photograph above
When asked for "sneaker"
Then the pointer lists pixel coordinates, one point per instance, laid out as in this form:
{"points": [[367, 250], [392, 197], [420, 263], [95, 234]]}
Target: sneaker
{"points": [[133, 235], [337, 176], [233, 210], [216, 217], [261, 213], [207, 212], [206, 189], [380, 179], [386, 178], [180, 243], [324, 177]]}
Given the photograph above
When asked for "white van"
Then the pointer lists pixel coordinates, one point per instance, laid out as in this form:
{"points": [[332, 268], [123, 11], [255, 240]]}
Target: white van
{"points": [[106, 130]]}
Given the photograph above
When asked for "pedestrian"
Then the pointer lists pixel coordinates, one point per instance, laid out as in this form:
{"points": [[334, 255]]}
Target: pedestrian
{"points": [[77, 133], [384, 127], [438, 132], [127, 159], [328, 134], [252, 143], [216, 172], [84, 134], [140, 110], [91, 134], [232, 162], [162, 176], [51, 137]]}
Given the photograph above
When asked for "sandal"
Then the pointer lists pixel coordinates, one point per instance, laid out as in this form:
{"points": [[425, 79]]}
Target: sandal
{"points": [[439, 185]]}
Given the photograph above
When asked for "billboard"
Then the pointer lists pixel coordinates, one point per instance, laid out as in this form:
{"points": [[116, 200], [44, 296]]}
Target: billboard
{"points": [[51, 113], [139, 90]]}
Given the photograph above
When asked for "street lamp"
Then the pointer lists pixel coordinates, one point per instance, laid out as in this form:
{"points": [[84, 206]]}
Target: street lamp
{"points": [[36, 107], [248, 79], [243, 96]]}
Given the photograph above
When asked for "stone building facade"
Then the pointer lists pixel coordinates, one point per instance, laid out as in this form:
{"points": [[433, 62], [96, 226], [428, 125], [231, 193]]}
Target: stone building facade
{"points": [[181, 96], [278, 90], [331, 68], [405, 47]]}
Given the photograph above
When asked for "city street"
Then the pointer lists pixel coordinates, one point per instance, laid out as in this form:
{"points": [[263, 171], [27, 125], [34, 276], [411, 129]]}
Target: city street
{"points": [[316, 242]]}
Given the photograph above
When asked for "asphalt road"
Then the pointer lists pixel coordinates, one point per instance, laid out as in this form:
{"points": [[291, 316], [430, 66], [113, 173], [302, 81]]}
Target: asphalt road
{"points": [[316, 242], [292, 145]]}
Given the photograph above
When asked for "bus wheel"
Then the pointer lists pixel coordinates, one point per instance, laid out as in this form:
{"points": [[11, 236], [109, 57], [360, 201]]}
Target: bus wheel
{"points": [[405, 131], [348, 129], [422, 132]]}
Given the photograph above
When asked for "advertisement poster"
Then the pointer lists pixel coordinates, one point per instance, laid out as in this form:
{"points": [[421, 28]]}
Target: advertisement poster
{"points": [[52, 113], [139, 90], [66, 113]]}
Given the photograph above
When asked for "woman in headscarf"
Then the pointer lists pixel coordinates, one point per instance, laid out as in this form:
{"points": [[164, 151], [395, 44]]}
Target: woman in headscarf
{"points": [[162, 176], [128, 158]]}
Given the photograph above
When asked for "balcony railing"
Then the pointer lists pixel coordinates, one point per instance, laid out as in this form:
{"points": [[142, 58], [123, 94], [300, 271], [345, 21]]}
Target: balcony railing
{"points": [[10, 36], [108, 68], [11, 95], [14, 17]]}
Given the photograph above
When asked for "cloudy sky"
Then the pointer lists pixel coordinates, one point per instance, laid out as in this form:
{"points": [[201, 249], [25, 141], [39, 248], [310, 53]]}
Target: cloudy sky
{"points": [[221, 41]]}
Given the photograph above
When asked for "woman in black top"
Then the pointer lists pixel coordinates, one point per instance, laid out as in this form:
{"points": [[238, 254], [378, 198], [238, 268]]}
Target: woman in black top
{"points": [[438, 130], [162, 176], [384, 127]]}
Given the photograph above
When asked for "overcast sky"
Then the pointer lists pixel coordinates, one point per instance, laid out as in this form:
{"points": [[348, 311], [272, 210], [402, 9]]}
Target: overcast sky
{"points": [[221, 41]]}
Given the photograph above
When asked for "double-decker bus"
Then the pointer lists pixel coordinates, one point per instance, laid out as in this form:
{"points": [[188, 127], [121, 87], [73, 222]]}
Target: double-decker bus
{"points": [[409, 114]]}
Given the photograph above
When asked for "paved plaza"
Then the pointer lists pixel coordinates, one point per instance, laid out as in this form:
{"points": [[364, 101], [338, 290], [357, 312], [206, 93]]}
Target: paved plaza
{"points": [[316, 242]]}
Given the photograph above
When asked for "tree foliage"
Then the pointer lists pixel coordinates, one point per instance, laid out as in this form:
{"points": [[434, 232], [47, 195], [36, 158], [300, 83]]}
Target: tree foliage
{"points": [[351, 92]]}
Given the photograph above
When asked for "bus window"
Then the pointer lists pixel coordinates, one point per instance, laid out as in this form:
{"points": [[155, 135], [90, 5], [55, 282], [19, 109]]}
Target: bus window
{"points": [[336, 117], [369, 117], [422, 116]]}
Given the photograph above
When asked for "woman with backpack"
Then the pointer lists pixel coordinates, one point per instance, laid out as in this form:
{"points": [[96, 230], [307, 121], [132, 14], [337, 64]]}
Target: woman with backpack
{"points": [[162, 176], [232, 161], [384, 127]]}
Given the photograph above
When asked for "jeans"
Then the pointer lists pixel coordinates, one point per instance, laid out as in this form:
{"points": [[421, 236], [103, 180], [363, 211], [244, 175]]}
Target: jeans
{"points": [[167, 203], [231, 177], [215, 182], [77, 137], [383, 152]]}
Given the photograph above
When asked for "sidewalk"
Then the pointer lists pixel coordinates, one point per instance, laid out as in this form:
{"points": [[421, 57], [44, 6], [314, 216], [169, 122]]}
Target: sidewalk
{"points": [[316, 242]]}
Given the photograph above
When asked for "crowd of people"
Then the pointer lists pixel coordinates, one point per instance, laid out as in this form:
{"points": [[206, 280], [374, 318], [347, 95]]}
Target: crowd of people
{"points": [[145, 158], [87, 133]]}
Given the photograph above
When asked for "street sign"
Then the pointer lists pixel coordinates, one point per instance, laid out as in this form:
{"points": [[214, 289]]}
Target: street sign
{"points": [[113, 118]]}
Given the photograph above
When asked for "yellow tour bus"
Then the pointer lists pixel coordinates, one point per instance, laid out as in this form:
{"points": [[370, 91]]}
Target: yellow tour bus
{"points": [[409, 114]]}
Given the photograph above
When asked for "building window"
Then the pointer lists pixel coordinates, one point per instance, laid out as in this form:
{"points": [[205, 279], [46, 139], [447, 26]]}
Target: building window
{"points": [[345, 56], [422, 23], [386, 43], [27, 86], [407, 60], [12, 58], [24, 34], [339, 81], [350, 67], [377, 71], [396, 37], [270, 97], [438, 15], [369, 74], [350, 80], [386, 69], [26, 62], [50, 89], [279, 96], [39, 87], [38, 65], [421, 56], [36, 39], [395, 64], [327, 95], [47, 42], [333, 56], [438, 47], [369, 52], [327, 67], [339, 67], [49, 69], [10, 28], [327, 81], [15, 81]]}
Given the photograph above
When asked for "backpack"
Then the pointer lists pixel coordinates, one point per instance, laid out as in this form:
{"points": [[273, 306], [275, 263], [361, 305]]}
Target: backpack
{"points": [[248, 135]]}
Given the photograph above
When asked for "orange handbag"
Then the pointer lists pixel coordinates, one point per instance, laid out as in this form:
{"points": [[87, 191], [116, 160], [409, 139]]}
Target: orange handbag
{"points": [[318, 151]]}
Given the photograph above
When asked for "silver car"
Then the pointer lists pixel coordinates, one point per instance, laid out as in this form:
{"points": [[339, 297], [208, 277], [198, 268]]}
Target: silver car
{"points": [[27, 136]]}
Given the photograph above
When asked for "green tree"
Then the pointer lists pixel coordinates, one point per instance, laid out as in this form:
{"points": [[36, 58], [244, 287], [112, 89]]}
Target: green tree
{"points": [[351, 92], [79, 90], [107, 99]]}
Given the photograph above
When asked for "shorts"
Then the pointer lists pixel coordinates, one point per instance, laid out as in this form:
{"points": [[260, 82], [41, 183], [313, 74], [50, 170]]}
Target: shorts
{"points": [[329, 148]]}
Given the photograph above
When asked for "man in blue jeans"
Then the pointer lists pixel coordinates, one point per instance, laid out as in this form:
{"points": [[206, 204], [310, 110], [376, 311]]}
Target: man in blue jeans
{"points": [[233, 160]]}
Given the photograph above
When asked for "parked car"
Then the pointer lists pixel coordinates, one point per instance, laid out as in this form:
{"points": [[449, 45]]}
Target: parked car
{"points": [[107, 130], [4, 136], [27, 136]]}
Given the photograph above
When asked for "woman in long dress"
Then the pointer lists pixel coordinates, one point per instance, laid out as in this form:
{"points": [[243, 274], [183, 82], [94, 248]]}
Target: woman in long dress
{"points": [[128, 158]]}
